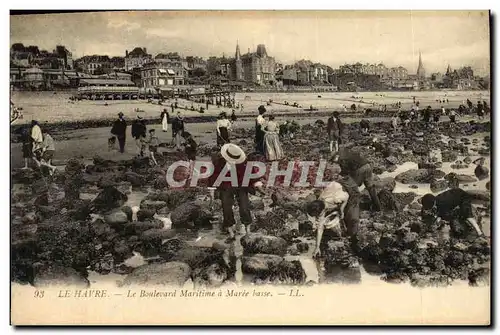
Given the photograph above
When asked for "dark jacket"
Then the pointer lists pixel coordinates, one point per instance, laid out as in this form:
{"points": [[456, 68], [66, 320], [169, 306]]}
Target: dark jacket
{"points": [[350, 161], [334, 126], [177, 125], [119, 128], [138, 129]]}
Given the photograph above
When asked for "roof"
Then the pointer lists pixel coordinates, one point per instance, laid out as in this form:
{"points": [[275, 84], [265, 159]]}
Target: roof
{"points": [[137, 52], [107, 82]]}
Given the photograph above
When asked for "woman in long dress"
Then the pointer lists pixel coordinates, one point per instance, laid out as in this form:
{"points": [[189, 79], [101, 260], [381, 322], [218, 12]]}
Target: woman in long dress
{"points": [[164, 120], [259, 131], [223, 128], [272, 144]]}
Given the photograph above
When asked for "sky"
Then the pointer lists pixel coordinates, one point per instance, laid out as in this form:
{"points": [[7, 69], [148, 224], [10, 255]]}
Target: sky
{"points": [[458, 38]]}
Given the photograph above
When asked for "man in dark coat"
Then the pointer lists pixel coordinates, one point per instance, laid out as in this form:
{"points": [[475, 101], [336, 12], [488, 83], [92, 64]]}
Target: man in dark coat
{"points": [[119, 130], [139, 134]]}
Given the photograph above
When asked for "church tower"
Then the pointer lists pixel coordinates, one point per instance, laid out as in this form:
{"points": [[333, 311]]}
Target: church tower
{"points": [[238, 64], [420, 69]]}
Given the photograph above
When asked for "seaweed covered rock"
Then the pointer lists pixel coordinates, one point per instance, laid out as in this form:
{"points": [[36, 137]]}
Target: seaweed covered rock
{"points": [[449, 156], [419, 176], [438, 186], [260, 264], [109, 198], [263, 244], [167, 274], [190, 214], [55, 275]]}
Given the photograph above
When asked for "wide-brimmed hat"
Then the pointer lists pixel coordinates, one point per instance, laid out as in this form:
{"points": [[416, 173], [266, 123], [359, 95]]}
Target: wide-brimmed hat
{"points": [[139, 117], [233, 153], [262, 108]]}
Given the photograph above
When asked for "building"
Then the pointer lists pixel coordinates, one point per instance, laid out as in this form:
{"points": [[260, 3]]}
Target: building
{"points": [[420, 69], [65, 55], [156, 74], [136, 58], [257, 67], [117, 63], [95, 64], [194, 62]]}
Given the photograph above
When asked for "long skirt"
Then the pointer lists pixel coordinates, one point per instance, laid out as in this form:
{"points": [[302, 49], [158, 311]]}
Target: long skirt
{"points": [[223, 138], [272, 147], [164, 123]]}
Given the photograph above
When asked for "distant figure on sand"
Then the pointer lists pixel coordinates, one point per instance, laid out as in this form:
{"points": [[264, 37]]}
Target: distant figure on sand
{"points": [[164, 120], [259, 130], [177, 130], [223, 128], [139, 134], [119, 130], [153, 146], [365, 126], [334, 131], [272, 145], [27, 146], [233, 116]]}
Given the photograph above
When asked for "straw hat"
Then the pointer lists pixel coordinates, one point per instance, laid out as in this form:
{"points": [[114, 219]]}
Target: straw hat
{"points": [[233, 153]]}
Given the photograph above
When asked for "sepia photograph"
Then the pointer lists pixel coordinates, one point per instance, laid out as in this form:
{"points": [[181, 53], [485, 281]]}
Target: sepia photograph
{"points": [[305, 167]]}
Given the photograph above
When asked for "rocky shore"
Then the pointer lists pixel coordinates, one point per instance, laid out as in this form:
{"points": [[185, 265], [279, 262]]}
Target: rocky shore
{"points": [[80, 220]]}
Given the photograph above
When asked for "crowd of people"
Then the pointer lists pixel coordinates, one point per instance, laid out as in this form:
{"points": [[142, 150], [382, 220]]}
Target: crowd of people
{"points": [[336, 210]]}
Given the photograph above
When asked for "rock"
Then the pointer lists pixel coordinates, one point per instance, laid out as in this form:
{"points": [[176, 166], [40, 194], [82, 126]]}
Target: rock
{"points": [[256, 203], [484, 151], [449, 156], [55, 275], [30, 218], [157, 235], [461, 178], [145, 214], [430, 165], [467, 160], [116, 218], [392, 160], [173, 198], [171, 247], [137, 228], [24, 176], [190, 214], [109, 198], [160, 183], [480, 195], [419, 176], [135, 179], [302, 247], [127, 210], [413, 186], [387, 183], [121, 251], [260, 264], [263, 244], [167, 274], [438, 186], [213, 275], [481, 172], [152, 205]]}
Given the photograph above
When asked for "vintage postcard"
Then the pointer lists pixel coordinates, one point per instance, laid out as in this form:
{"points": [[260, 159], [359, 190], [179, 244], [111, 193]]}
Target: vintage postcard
{"points": [[260, 167]]}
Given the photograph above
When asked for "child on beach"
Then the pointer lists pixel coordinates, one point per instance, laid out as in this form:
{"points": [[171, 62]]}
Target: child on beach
{"points": [[153, 146], [190, 148], [27, 146], [47, 153]]}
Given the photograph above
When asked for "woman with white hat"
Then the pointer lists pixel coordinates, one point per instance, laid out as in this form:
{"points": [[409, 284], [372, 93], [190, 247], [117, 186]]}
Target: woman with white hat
{"points": [[231, 157]]}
